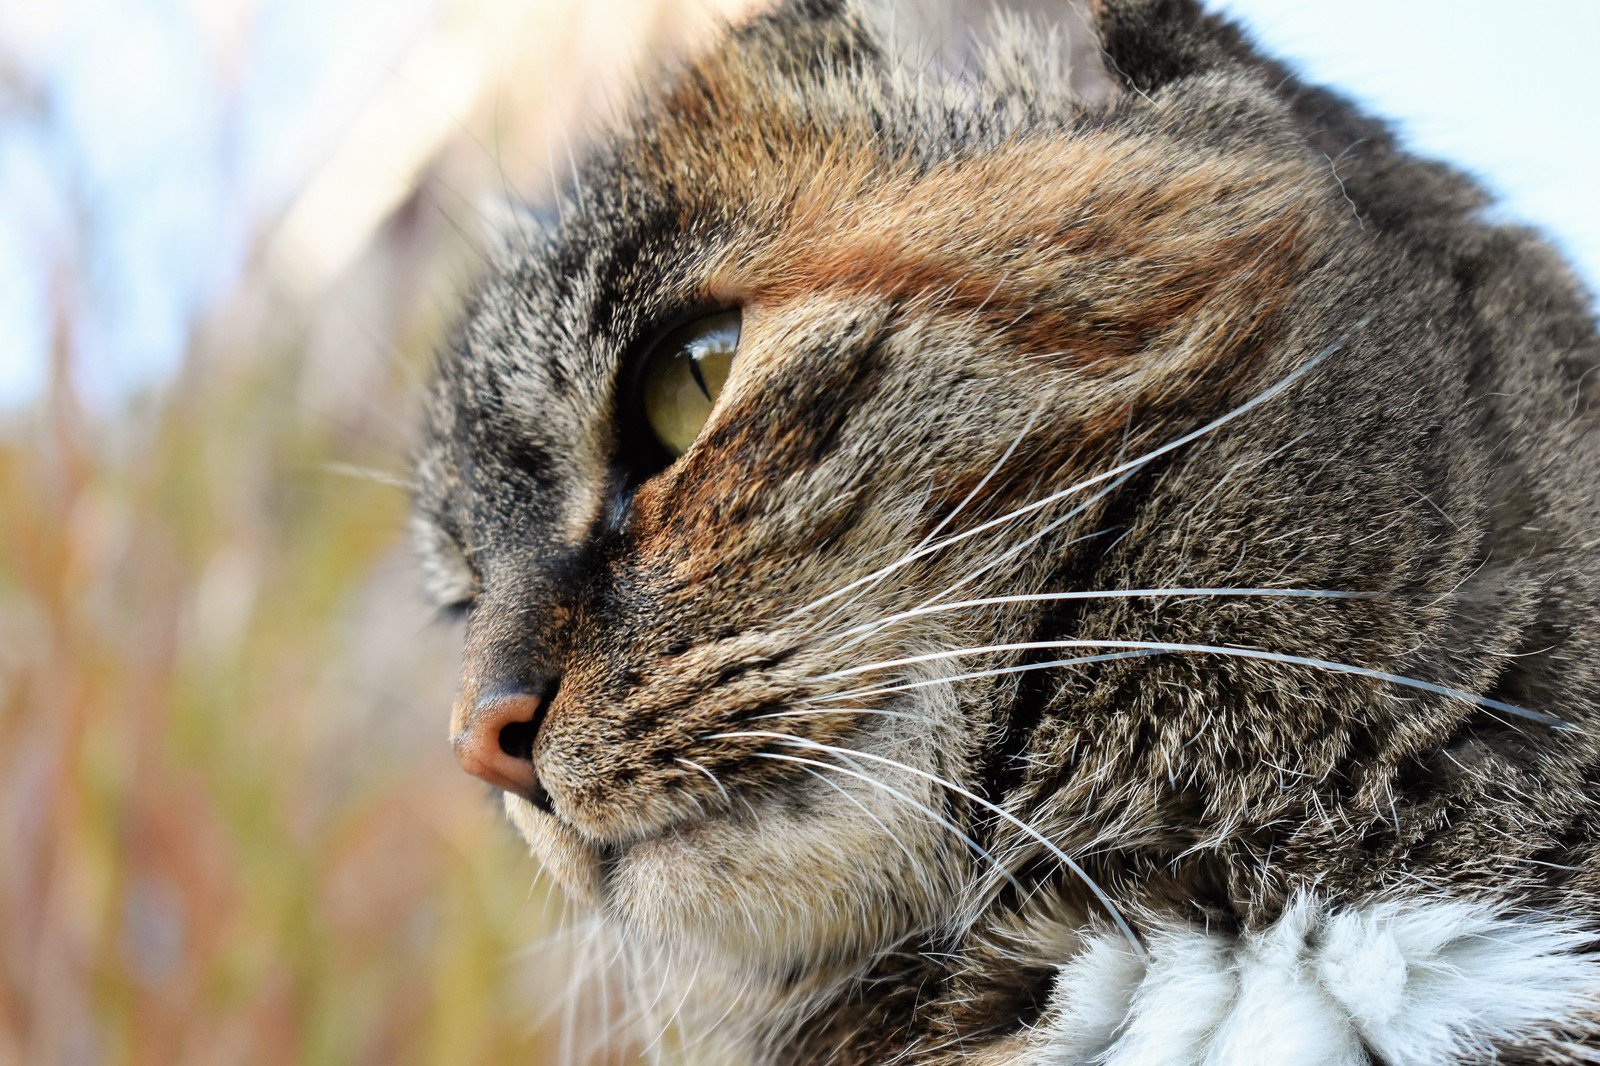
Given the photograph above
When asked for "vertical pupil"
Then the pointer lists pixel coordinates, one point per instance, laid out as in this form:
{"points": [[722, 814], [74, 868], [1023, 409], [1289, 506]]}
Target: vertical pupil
{"points": [[685, 375], [695, 352]]}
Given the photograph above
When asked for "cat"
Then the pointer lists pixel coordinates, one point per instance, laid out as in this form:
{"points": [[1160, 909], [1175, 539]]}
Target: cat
{"points": [[993, 548]]}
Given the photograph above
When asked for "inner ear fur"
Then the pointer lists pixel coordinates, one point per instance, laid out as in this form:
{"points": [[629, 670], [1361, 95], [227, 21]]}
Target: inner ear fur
{"points": [[1110, 45], [954, 36]]}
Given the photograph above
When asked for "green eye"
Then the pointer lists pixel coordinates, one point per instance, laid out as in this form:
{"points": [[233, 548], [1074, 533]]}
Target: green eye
{"points": [[684, 375]]}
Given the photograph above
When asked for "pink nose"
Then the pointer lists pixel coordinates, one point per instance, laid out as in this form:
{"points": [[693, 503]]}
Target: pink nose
{"points": [[496, 743]]}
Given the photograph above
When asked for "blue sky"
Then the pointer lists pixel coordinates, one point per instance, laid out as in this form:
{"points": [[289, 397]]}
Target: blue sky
{"points": [[147, 150], [1510, 91], [136, 176]]}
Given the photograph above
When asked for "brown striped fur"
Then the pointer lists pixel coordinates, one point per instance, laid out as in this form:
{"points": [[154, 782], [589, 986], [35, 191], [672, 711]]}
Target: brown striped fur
{"points": [[963, 291]]}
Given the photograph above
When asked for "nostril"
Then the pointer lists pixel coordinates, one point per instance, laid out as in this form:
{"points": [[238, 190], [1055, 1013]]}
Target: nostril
{"points": [[516, 739], [498, 739], [517, 736]]}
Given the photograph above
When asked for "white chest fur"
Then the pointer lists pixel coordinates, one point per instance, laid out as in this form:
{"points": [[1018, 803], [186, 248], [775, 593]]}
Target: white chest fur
{"points": [[1415, 981]]}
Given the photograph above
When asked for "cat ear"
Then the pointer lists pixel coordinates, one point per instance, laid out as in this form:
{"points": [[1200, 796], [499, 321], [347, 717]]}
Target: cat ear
{"points": [[953, 37], [1147, 44], [1111, 45]]}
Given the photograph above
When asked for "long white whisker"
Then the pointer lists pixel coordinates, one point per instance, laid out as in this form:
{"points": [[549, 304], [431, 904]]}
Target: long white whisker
{"points": [[671, 1020], [648, 1014], [1122, 468], [584, 953], [707, 1030], [1033, 538], [977, 489], [977, 849], [912, 861], [696, 766], [1065, 859], [999, 671], [820, 711], [1108, 594], [1215, 649]]}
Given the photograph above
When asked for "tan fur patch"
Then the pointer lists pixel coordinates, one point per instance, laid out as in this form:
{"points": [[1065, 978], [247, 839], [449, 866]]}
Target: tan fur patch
{"points": [[1146, 239]]}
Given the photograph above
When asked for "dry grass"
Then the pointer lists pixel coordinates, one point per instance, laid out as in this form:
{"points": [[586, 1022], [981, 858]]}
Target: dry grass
{"points": [[230, 827]]}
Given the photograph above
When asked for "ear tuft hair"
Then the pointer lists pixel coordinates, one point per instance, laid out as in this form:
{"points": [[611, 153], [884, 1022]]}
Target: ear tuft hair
{"points": [[1150, 43], [957, 38]]}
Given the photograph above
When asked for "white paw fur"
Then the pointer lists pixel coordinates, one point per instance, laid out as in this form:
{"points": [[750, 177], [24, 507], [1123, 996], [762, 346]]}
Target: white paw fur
{"points": [[1416, 982]]}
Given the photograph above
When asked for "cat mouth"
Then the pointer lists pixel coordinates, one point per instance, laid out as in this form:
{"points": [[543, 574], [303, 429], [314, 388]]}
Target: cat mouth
{"points": [[586, 867], [539, 799]]}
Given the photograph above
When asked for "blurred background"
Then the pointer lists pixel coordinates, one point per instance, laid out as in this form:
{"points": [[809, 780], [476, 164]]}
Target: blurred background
{"points": [[232, 233]]}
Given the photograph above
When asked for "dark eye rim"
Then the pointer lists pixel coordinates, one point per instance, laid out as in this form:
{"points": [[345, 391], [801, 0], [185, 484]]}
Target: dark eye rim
{"points": [[456, 612], [639, 453], [445, 535]]}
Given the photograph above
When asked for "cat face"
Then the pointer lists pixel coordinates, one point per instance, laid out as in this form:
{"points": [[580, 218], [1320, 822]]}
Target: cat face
{"points": [[915, 608]]}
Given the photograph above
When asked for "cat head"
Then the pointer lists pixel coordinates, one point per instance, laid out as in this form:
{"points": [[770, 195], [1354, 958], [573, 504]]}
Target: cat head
{"points": [[845, 641]]}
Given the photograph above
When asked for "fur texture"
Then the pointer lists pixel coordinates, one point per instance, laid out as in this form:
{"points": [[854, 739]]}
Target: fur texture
{"points": [[1415, 982], [1138, 592]]}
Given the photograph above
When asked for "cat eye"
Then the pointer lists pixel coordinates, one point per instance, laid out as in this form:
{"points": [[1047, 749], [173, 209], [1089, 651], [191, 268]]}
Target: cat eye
{"points": [[683, 375], [448, 574]]}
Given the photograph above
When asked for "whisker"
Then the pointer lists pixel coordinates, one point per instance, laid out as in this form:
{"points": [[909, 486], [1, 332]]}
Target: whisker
{"points": [[999, 671], [993, 470], [1260, 398], [1027, 542], [705, 1031], [1108, 594], [672, 1019], [1065, 859], [977, 849], [1159, 647], [818, 711], [913, 862], [696, 766], [372, 475], [947, 519], [646, 1016]]}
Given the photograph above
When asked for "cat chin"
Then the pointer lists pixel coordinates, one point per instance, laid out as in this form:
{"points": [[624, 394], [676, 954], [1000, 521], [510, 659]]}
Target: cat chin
{"points": [[793, 890], [796, 893], [574, 863]]}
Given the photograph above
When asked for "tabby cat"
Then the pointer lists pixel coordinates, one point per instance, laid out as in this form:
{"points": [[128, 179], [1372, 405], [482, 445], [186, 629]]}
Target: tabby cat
{"points": [[1053, 543]]}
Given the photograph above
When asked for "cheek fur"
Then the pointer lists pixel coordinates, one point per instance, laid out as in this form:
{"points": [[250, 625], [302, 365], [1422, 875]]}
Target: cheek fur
{"points": [[817, 873]]}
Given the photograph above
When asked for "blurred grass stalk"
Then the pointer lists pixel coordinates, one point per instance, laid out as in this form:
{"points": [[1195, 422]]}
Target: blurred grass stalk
{"points": [[230, 828]]}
